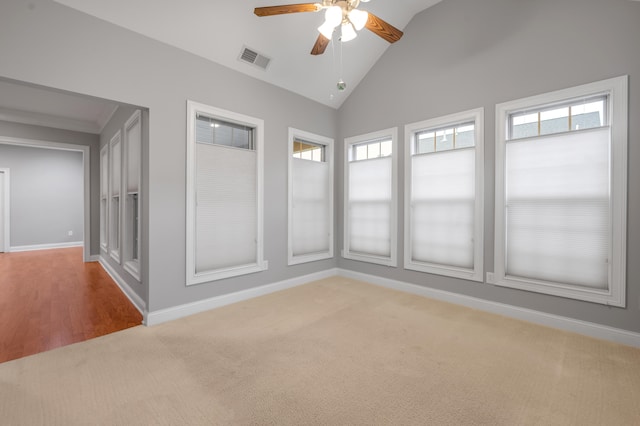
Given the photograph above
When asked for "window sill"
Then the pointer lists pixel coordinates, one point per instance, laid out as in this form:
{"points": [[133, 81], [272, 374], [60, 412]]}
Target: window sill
{"points": [[448, 271], [221, 274], [305, 258], [386, 261], [604, 297]]}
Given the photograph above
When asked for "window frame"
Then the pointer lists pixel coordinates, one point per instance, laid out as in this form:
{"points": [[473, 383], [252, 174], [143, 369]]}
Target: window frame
{"points": [[193, 278], [411, 130], [348, 144], [114, 247], [328, 145], [104, 215], [616, 89], [132, 265]]}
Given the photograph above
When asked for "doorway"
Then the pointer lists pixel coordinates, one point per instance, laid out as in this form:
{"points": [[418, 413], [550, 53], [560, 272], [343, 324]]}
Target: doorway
{"points": [[4, 210]]}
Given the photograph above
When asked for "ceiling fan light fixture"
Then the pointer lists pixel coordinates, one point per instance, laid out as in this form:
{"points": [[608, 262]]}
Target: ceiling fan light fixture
{"points": [[358, 18], [348, 33], [326, 30], [333, 16]]}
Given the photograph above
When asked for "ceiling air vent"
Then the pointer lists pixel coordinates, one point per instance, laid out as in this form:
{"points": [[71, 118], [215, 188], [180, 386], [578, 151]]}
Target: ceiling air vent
{"points": [[252, 57]]}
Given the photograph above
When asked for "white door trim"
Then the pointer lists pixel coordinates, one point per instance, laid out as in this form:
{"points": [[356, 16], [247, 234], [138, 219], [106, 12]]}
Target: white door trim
{"points": [[6, 188], [86, 162]]}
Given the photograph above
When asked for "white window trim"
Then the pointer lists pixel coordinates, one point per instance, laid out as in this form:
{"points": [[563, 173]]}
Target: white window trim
{"points": [[104, 245], [475, 274], [328, 144], [348, 142], [617, 89], [132, 266], [191, 276], [115, 252]]}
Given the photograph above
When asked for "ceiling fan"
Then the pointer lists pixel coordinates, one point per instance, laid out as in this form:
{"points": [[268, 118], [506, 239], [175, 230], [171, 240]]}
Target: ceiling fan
{"points": [[343, 13]]}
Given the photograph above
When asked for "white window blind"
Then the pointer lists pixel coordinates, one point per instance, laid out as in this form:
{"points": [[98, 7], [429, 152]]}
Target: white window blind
{"points": [[310, 207], [443, 208], [116, 159], [370, 206], [557, 208], [134, 149], [561, 192], [104, 174], [226, 207]]}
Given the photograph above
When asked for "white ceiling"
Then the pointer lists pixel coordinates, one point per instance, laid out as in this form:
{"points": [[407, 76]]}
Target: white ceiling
{"points": [[218, 30], [45, 107]]}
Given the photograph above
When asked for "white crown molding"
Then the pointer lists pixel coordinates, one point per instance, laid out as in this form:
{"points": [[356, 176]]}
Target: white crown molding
{"points": [[46, 120], [106, 116]]}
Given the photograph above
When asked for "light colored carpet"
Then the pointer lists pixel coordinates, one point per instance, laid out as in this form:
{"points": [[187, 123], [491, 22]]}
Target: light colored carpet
{"points": [[332, 352]]}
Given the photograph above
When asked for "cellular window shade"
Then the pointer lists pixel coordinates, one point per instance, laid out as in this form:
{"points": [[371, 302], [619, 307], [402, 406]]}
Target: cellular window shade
{"points": [[370, 195], [442, 208], [104, 174], [134, 145], [558, 208], [226, 207], [115, 169], [310, 207]]}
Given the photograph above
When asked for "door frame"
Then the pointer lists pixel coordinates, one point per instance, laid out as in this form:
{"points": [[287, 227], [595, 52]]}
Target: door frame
{"points": [[6, 218], [86, 163]]}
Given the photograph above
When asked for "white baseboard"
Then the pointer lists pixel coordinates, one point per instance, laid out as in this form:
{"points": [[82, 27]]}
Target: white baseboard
{"points": [[556, 321], [126, 289], [46, 246], [180, 311], [93, 258]]}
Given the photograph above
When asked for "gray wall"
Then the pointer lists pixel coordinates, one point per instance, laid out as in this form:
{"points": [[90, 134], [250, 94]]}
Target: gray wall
{"points": [[47, 191], [65, 49], [40, 133], [463, 54]]}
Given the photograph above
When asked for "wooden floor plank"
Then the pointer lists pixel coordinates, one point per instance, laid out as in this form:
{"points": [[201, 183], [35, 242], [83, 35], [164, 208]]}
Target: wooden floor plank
{"points": [[51, 298]]}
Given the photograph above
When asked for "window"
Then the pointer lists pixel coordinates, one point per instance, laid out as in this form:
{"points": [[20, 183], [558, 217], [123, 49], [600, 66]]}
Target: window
{"points": [[561, 179], [133, 153], [224, 194], [310, 197], [370, 197], [115, 161], [444, 195], [104, 196]]}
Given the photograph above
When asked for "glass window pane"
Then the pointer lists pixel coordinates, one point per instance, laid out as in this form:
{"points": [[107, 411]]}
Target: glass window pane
{"points": [[374, 150], [425, 143], [587, 116], [212, 131], [554, 121], [524, 125], [386, 148], [361, 152], [444, 140], [465, 136]]}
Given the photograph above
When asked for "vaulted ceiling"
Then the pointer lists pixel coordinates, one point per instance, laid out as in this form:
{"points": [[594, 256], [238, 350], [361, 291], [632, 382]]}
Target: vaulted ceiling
{"points": [[219, 30]]}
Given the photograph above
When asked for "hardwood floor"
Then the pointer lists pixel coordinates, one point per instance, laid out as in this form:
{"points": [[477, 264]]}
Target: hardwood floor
{"points": [[51, 298]]}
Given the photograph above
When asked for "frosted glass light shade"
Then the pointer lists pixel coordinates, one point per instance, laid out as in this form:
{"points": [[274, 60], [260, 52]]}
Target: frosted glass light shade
{"points": [[326, 30], [358, 18], [348, 33], [333, 16]]}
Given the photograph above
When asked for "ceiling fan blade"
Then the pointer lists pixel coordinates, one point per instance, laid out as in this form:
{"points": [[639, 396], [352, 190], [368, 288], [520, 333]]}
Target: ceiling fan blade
{"points": [[383, 28], [285, 8], [321, 44]]}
